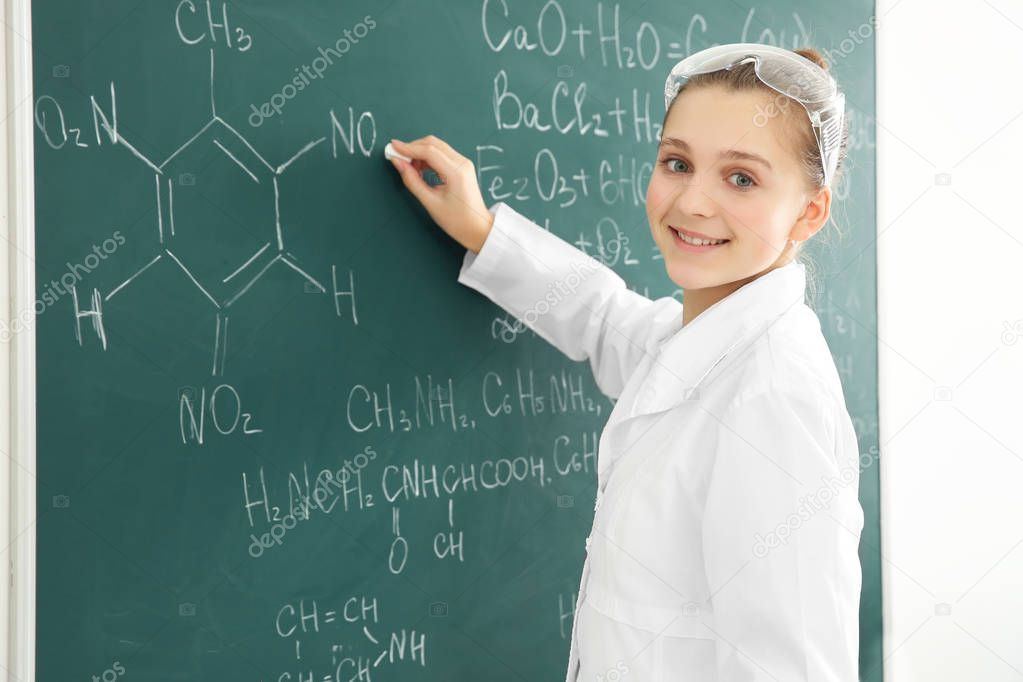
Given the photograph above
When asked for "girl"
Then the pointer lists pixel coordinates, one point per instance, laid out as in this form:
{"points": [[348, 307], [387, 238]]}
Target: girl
{"points": [[727, 518]]}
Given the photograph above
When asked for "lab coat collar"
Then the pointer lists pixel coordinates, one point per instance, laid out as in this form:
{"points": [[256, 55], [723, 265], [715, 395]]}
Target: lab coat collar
{"points": [[686, 355]]}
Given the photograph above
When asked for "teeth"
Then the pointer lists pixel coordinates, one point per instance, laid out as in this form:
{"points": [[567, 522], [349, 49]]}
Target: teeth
{"points": [[699, 242]]}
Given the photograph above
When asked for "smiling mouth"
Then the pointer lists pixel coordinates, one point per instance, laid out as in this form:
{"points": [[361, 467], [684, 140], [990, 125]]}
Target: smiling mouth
{"points": [[696, 241]]}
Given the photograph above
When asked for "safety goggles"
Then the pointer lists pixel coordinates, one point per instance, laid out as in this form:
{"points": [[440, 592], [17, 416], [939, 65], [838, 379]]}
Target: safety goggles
{"points": [[790, 74]]}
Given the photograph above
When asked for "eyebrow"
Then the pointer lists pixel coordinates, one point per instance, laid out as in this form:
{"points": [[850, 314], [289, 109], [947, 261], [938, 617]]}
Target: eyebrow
{"points": [[727, 154]]}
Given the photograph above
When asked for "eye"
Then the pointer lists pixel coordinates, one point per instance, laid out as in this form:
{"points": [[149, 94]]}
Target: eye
{"points": [[666, 162], [752, 182], [747, 183]]}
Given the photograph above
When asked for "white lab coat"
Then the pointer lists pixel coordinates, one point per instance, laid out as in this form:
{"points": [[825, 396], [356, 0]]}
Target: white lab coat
{"points": [[724, 544]]}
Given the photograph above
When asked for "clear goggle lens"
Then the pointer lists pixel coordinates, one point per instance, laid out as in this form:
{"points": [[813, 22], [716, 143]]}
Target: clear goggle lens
{"points": [[787, 73]]}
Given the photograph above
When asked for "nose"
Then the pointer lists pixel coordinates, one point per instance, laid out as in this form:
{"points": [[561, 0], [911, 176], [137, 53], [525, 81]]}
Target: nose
{"points": [[692, 199]]}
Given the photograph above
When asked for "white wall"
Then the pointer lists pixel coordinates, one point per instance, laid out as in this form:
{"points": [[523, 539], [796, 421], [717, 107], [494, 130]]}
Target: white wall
{"points": [[950, 283]]}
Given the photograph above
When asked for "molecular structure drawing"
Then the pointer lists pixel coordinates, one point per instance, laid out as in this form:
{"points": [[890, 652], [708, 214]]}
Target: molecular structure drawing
{"points": [[220, 280]]}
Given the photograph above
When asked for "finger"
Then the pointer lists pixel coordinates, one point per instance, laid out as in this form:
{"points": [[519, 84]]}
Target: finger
{"points": [[432, 140], [457, 160], [414, 181], [446, 148], [431, 152]]}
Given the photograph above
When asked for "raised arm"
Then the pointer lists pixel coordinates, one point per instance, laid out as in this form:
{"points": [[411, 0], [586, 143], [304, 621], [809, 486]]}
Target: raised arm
{"points": [[576, 303], [573, 301]]}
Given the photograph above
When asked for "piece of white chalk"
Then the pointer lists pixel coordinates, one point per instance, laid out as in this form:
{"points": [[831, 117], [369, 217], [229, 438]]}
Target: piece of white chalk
{"points": [[390, 152]]}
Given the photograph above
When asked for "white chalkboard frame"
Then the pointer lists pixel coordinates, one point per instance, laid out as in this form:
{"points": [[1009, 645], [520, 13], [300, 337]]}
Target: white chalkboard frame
{"points": [[17, 362]]}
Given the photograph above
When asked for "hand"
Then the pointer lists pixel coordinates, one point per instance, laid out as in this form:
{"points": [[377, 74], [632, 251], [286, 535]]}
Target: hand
{"points": [[457, 205]]}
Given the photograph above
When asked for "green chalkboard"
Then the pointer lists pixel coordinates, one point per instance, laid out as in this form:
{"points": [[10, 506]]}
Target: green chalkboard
{"points": [[242, 306]]}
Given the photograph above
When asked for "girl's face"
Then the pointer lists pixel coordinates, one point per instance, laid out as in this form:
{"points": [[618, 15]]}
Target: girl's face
{"points": [[720, 175]]}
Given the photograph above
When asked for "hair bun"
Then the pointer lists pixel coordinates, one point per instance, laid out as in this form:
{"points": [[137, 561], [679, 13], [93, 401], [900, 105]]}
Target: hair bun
{"points": [[813, 55]]}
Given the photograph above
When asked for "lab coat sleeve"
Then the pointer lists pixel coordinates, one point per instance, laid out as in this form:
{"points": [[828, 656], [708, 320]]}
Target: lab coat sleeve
{"points": [[780, 539], [570, 299]]}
